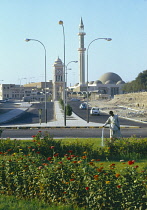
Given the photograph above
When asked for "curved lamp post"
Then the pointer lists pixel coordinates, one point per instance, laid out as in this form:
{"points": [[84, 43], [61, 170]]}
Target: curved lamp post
{"points": [[66, 81], [27, 40], [67, 69], [107, 39], [64, 99]]}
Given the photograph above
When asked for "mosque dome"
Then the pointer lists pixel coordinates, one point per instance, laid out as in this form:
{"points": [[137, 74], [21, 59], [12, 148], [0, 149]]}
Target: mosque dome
{"points": [[91, 82], [109, 82], [97, 82], [110, 76], [120, 82]]}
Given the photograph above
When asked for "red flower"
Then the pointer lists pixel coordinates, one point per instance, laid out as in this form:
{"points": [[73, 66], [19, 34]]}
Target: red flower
{"points": [[70, 151], [71, 180], [38, 152], [55, 155], [1, 153], [49, 158], [68, 158], [39, 131], [52, 147], [136, 166], [118, 186], [113, 164], [130, 162], [86, 188], [98, 160], [9, 150], [33, 136], [72, 156], [45, 164]]}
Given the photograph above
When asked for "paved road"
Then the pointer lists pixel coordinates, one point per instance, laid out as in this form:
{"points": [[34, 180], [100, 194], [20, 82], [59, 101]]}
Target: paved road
{"points": [[32, 114], [102, 117], [72, 132]]}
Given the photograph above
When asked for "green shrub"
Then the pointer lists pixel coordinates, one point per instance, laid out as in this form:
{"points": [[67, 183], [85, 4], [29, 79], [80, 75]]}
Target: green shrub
{"points": [[68, 110], [127, 148], [61, 103]]}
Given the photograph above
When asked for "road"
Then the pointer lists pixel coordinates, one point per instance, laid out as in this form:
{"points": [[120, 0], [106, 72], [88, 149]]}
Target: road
{"points": [[31, 116], [102, 117], [72, 132]]}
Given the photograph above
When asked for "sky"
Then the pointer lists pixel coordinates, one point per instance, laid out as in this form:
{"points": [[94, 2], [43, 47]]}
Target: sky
{"points": [[125, 21]]}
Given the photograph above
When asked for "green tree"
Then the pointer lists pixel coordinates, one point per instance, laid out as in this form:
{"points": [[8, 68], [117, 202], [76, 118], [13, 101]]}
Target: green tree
{"points": [[139, 84]]}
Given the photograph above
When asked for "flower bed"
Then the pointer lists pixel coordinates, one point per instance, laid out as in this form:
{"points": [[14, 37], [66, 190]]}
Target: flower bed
{"points": [[60, 174]]}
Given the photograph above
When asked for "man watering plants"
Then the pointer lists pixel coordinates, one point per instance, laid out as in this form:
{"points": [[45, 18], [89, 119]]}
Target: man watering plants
{"points": [[114, 126]]}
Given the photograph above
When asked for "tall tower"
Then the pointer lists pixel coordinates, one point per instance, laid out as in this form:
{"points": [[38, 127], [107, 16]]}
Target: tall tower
{"points": [[58, 79], [81, 50]]}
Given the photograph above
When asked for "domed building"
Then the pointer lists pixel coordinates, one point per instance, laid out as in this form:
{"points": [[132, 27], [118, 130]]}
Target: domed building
{"points": [[110, 76], [109, 83]]}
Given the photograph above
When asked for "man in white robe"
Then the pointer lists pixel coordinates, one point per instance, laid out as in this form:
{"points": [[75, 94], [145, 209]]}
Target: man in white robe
{"points": [[114, 125]]}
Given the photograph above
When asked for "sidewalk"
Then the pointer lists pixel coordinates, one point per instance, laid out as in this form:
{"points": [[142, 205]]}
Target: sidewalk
{"points": [[72, 121]]}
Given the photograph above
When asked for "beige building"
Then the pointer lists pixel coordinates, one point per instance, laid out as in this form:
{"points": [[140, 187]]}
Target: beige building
{"points": [[8, 91], [27, 92]]}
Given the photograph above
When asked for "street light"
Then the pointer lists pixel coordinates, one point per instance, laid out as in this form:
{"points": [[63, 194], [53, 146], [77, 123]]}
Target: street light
{"points": [[107, 39], [27, 40], [64, 100], [66, 73], [66, 83]]}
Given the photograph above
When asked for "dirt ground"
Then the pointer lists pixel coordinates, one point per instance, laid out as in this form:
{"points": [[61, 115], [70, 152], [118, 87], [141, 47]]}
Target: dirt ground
{"points": [[132, 105]]}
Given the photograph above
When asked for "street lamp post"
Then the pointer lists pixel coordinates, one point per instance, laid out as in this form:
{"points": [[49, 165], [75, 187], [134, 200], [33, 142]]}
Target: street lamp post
{"points": [[107, 39], [27, 40], [64, 100], [66, 78]]}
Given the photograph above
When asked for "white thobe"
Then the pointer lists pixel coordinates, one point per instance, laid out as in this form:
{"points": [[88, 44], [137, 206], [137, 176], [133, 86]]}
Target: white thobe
{"points": [[114, 126]]}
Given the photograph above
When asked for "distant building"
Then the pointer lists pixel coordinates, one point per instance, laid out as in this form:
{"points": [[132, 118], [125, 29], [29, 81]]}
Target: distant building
{"points": [[28, 92], [109, 83]]}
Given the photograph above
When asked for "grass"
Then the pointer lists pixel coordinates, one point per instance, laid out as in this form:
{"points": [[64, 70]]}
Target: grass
{"points": [[13, 203]]}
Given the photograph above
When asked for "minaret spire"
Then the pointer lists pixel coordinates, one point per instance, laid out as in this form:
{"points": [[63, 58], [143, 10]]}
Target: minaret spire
{"points": [[81, 50], [81, 26]]}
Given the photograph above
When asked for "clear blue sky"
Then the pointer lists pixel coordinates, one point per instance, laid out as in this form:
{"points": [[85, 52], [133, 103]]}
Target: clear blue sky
{"points": [[125, 21]]}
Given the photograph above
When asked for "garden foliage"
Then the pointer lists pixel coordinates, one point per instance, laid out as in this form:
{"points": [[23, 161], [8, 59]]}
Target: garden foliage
{"points": [[61, 174], [68, 107]]}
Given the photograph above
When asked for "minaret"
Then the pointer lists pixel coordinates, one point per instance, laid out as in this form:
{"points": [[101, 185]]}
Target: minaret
{"points": [[81, 50]]}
